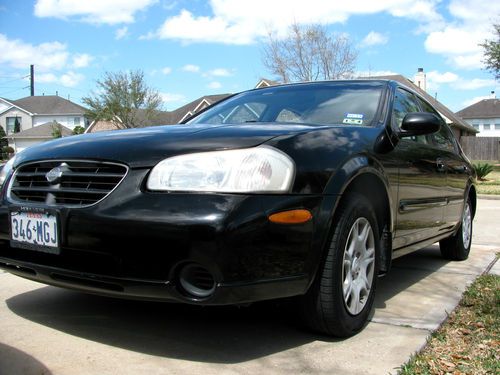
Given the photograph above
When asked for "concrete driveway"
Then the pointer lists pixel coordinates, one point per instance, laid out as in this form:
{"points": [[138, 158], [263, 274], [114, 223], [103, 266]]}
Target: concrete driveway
{"points": [[45, 330]]}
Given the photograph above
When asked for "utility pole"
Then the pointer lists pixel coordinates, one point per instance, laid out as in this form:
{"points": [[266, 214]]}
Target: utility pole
{"points": [[32, 79]]}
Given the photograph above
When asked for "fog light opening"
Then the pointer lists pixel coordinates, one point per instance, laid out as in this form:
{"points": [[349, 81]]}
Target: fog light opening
{"points": [[196, 281]]}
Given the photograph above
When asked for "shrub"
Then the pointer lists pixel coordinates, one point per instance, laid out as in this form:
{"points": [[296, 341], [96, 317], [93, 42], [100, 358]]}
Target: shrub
{"points": [[8, 150], [78, 130], [483, 170]]}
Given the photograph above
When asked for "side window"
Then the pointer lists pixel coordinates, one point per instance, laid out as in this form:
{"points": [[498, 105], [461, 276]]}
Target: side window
{"points": [[405, 103], [287, 115], [443, 138], [249, 112]]}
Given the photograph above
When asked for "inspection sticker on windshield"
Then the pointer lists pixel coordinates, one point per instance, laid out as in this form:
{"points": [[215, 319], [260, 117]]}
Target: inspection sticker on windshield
{"points": [[353, 118]]}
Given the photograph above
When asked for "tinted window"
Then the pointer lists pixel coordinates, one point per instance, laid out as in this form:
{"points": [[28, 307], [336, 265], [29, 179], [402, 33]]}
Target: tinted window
{"points": [[444, 138], [324, 104], [404, 103]]}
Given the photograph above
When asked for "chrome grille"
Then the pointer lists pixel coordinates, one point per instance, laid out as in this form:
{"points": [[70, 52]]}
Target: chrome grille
{"points": [[79, 183]]}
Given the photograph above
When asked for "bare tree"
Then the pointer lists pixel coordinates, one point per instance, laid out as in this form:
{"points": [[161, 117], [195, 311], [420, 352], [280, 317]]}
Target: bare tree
{"points": [[125, 96], [309, 53]]}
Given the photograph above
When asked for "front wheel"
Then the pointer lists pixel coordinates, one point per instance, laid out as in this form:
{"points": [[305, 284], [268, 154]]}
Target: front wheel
{"points": [[341, 298], [457, 247]]}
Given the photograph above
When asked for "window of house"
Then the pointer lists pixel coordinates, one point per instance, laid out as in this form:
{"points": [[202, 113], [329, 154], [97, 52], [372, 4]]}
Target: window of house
{"points": [[486, 126], [76, 121], [11, 124], [476, 126], [497, 126]]}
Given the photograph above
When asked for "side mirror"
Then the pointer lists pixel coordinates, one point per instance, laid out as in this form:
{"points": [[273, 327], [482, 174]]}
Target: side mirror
{"points": [[419, 123]]}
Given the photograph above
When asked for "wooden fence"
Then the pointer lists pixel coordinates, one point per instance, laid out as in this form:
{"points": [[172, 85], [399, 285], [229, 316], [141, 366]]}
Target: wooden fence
{"points": [[481, 148]]}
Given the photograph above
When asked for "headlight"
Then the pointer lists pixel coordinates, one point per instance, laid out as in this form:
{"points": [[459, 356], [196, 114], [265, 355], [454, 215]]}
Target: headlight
{"points": [[7, 168], [259, 169]]}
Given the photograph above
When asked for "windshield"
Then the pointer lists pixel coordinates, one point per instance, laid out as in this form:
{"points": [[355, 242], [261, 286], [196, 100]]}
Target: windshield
{"points": [[340, 103]]}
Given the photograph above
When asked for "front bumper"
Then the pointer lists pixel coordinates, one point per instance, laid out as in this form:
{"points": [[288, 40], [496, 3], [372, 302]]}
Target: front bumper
{"points": [[133, 243]]}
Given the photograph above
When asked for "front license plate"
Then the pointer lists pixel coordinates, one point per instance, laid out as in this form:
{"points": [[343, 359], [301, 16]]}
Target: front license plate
{"points": [[34, 231]]}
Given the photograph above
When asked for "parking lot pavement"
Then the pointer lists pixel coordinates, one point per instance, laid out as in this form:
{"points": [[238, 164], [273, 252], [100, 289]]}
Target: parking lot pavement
{"points": [[47, 330]]}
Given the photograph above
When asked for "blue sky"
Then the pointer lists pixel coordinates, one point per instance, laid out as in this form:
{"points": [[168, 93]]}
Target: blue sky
{"points": [[192, 48]]}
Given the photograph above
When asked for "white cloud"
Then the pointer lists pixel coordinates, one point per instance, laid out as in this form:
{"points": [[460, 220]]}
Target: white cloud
{"points": [[474, 84], [121, 33], [219, 72], [69, 79], [474, 100], [110, 12], [458, 41], [373, 38], [52, 55], [170, 97], [191, 68], [53, 63], [81, 60], [245, 22], [46, 78], [437, 77], [166, 70], [214, 85]]}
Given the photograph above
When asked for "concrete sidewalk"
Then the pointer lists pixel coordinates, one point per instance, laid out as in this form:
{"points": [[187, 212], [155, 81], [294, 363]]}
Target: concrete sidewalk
{"points": [[48, 330]]}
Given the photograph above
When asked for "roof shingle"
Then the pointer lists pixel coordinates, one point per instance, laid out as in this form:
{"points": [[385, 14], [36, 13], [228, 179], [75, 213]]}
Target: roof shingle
{"points": [[486, 108], [43, 131], [49, 105]]}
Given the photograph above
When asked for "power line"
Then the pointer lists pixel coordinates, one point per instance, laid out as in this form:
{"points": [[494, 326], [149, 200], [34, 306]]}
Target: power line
{"points": [[8, 92], [16, 79]]}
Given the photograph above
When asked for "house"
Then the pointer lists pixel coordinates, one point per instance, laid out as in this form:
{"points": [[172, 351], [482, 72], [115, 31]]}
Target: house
{"points": [[40, 133], [484, 116], [459, 127], [264, 82], [33, 111]]}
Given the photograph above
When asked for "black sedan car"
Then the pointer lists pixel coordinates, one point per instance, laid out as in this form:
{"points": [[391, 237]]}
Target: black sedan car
{"points": [[306, 190]]}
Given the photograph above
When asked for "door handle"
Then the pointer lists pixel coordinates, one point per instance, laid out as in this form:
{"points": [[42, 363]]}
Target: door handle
{"points": [[441, 165]]}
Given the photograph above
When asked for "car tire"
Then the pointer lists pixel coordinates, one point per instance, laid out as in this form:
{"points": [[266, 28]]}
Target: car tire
{"points": [[457, 247], [340, 299]]}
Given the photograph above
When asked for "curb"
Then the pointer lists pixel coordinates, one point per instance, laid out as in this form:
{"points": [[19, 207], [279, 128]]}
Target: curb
{"points": [[489, 196]]}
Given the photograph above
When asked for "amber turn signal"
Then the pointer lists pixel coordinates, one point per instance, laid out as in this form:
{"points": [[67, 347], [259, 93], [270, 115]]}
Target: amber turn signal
{"points": [[291, 217]]}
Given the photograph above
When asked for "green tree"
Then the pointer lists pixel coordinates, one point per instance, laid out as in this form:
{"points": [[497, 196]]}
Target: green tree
{"points": [[309, 53], [492, 52], [3, 142], [17, 125], [124, 97], [56, 130]]}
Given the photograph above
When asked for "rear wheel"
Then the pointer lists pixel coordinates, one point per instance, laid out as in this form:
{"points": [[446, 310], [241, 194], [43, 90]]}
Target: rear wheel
{"points": [[341, 298], [457, 247]]}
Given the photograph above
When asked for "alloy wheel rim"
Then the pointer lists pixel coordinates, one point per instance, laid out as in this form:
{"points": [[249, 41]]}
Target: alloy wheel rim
{"points": [[358, 266], [467, 225]]}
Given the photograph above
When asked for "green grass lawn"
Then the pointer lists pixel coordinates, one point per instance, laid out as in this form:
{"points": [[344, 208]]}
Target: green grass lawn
{"points": [[492, 183], [468, 342]]}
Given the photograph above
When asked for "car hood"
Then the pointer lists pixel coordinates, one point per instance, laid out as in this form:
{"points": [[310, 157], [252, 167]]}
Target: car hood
{"points": [[147, 146]]}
